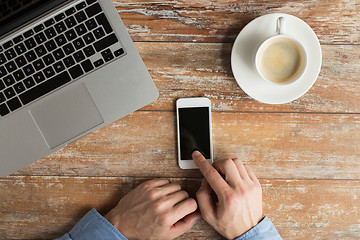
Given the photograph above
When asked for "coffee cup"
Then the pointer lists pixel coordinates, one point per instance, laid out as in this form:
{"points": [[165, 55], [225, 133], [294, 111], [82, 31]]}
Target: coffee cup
{"points": [[281, 59]]}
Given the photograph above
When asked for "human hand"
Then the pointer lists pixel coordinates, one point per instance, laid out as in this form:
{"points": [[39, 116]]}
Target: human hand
{"points": [[239, 205], [156, 209]]}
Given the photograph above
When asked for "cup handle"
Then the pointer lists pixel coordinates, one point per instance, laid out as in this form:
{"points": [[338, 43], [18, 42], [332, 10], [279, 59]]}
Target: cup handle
{"points": [[280, 22]]}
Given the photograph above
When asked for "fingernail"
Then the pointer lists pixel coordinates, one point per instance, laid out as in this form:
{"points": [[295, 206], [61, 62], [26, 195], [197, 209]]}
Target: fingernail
{"points": [[196, 153]]}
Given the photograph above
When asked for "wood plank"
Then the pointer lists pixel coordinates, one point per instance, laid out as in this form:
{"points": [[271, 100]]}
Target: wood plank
{"points": [[334, 21], [191, 69], [276, 145], [300, 209]]}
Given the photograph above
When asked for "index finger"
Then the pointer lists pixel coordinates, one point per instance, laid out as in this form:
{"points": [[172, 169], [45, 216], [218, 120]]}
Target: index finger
{"points": [[216, 182]]}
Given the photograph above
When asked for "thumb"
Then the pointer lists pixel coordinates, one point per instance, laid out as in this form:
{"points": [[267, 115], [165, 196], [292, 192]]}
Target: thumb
{"points": [[185, 224]]}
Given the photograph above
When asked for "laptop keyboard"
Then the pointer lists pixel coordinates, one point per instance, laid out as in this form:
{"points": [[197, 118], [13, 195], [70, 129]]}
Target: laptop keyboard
{"points": [[60, 50]]}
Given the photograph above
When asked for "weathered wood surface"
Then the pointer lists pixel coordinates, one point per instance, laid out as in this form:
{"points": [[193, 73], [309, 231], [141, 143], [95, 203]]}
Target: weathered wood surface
{"points": [[276, 145], [334, 21], [192, 69], [47, 207]]}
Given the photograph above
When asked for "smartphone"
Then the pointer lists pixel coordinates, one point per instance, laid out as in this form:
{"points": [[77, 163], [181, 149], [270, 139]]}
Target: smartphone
{"points": [[193, 130]]}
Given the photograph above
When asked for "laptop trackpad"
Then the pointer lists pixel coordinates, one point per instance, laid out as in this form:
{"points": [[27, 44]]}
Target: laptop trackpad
{"points": [[66, 115]]}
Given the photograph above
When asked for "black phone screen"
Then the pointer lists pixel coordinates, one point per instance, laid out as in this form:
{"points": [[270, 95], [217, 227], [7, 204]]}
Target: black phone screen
{"points": [[194, 131]]}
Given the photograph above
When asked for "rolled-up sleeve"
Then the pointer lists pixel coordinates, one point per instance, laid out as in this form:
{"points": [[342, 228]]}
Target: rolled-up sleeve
{"points": [[265, 230], [93, 226]]}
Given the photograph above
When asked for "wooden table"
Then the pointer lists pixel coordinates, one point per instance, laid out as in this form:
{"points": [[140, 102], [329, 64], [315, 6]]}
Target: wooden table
{"points": [[306, 153]]}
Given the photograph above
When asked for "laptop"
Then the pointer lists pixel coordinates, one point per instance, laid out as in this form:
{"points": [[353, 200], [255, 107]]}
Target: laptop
{"points": [[67, 68]]}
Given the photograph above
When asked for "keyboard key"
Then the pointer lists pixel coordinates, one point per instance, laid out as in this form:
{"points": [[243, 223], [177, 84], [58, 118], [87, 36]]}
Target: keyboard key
{"points": [[2, 71], [80, 16], [60, 27], [70, 22], [2, 58], [76, 71], [81, 29], [91, 24], [19, 75], [10, 54], [49, 72], [89, 2], [93, 10], [89, 38], [20, 48], [59, 17], [79, 56], [45, 87], [9, 80], [60, 40], [30, 43], [58, 54], [50, 45], [59, 67], [10, 66], [99, 33], [8, 44], [87, 65], [2, 85], [40, 38], [107, 55], [40, 51], [48, 59], [39, 77], [98, 63], [49, 22], [119, 52], [4, 110], [29, 82], [69, 61], [68, 49], [102, 20], [70, 11], [38, 64], [80, 5], [105, 42], [28, 33], [18, 39], [20, 61], [28, 70], [39, 28], [2, 97], [30, 56], [89, 51], [70, 35], [50, 32], [9, 92], [19, 87], [14, 104], [79, 43]]}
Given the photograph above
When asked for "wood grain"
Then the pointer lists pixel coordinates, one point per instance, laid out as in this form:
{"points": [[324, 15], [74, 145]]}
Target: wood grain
{"points": [[192, 69], [276, 145], [50, 206], [334, 21]]}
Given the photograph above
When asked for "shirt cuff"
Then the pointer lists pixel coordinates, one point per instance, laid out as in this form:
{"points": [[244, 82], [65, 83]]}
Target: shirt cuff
{"points": [[94, 226], [265, 230]]}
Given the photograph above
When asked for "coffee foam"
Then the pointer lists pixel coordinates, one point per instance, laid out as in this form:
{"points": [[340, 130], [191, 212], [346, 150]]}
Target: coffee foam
{"points": [[281, 60]]}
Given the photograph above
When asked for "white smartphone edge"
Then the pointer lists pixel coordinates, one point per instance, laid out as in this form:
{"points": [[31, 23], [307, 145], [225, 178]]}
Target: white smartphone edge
{"points": [[188, 103]]}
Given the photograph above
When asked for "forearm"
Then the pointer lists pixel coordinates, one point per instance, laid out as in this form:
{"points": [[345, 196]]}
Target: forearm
{"points": [[265, 230], [93, 226]]}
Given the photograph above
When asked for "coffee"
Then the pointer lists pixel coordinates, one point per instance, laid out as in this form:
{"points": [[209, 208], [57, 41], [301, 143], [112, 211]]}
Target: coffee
{"points": [[281, 60]]}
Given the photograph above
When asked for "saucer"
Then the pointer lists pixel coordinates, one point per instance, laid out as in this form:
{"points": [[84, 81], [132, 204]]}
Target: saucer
{"points": [[243, 57]]}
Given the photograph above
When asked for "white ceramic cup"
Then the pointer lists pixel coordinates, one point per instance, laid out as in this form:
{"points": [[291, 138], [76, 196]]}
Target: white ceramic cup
{"points": [[281, 59]]}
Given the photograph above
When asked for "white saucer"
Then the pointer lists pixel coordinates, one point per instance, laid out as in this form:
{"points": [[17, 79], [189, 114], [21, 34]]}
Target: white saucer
{"points": [[243, 54]]}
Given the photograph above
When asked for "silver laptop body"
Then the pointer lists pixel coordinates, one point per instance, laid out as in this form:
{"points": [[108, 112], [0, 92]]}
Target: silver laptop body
{"points": [[101, 95]]}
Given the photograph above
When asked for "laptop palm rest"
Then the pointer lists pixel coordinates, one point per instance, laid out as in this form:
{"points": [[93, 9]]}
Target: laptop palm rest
{"points": [[65, 115]]}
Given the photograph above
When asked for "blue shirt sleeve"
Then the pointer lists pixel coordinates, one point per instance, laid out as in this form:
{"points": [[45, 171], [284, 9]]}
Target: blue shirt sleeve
{"points": [[93, 226], [265, 230]]}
